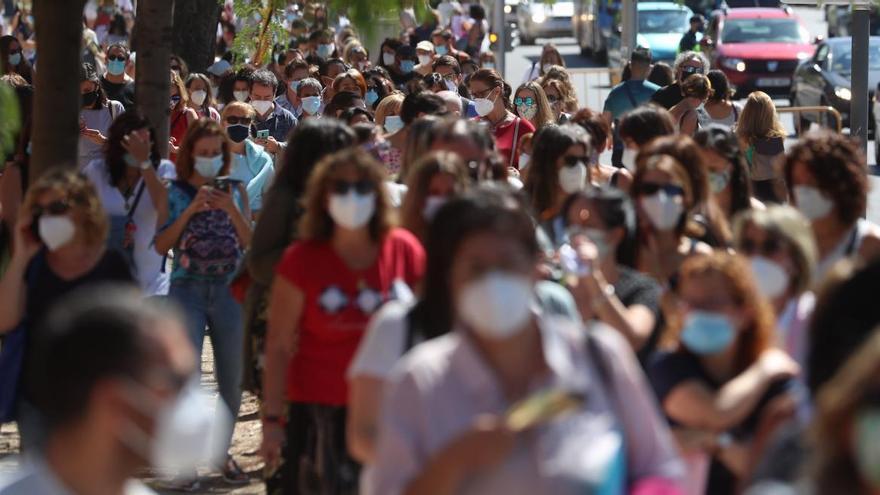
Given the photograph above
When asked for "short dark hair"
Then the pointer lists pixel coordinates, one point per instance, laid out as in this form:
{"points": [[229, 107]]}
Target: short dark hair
{"points": [[312, 139], [616, 209], [425, 102], [838, 165], [264, 77], [89, 336], [720, 85], [646, 123], [447, 61], [351, 112], [342, 101], [641, 55]]}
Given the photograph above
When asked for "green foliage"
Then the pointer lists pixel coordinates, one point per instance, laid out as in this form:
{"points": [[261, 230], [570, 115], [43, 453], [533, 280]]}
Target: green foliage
{"points": [[10, 123], [257, 28]]}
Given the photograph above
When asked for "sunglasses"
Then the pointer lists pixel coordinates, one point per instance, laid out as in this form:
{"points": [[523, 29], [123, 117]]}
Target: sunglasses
{"points": [[650, 188], [571, 161], [690, 70], [116, 58], [238, 120], [362, 186], [769, 247], [528, 101], [53, 208]]}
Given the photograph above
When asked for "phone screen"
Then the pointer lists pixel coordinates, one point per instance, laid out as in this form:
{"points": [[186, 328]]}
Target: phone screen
{"points": [[263, 134]]}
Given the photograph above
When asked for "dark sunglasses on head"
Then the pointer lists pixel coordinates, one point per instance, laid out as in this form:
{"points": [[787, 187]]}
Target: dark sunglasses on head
{"points": [[362, 186], [649, 188], [571, 161], [53, 208], [770, 246], [528, 101], [238, 120], [117, 58], [690, 70]]}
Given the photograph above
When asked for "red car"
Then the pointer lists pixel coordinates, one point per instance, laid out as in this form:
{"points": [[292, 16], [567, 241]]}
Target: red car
{"points": [[759, 48]]}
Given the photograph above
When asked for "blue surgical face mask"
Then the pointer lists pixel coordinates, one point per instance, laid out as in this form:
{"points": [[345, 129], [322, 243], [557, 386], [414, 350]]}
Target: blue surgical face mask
{"points": [[372, 96], [208, 166], [116, 67], [407, 66], [311, 104], [15, 58], [393, 123], [325, 51], [707, 332], [441, 50], [294, 85]]}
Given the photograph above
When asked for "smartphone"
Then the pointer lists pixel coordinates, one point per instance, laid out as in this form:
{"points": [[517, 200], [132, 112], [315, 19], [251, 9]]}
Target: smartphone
{"points": [[263, 134], [225, 183]]}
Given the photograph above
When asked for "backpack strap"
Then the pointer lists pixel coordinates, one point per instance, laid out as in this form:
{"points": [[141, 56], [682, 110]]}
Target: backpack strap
{"points": [[628, 91]]}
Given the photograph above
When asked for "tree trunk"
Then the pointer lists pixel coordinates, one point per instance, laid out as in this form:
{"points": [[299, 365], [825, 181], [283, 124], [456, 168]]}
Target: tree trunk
{"points": [[152, 79], [55, 137], [195, 32]]}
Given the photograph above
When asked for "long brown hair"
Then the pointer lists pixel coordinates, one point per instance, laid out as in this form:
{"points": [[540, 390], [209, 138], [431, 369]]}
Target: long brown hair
{"points": [[316, 223], [545, 114], [759, 334], [419, 180], [199, 129], [759, 119]]}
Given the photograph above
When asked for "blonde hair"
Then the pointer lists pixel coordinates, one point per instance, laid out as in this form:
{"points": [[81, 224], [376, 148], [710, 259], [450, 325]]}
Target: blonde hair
{"points": [[418, 182], [80, 194], [545, 114], [759, 119], [238, 105], [789, 225], [181, 90], [390, 105]]}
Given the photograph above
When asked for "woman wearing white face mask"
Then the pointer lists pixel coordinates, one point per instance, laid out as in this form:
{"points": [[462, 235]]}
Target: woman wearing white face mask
{"points": [[492, 101], [613, 293], [317, 317], [827, 181], [445, 425], [208, 226], [664, 201], [782, 252], [558, 168], [59, 247], [639, 127], [721, 375], [430, 183], [201, 96]]}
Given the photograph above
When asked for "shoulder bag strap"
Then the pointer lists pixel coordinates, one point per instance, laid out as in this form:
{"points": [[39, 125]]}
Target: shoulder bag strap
{"points": [[137, 199], [515, 146]]}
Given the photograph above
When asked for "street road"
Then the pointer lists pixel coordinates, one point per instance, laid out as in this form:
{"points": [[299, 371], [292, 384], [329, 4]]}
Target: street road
{"points": [[592, 89]]}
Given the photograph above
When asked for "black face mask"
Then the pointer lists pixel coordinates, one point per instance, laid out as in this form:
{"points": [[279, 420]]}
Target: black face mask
{"points": [[237, 132], [89, 99]]}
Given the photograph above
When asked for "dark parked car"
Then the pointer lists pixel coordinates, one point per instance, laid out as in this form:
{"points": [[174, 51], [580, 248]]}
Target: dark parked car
{"points": [[825, 79]]}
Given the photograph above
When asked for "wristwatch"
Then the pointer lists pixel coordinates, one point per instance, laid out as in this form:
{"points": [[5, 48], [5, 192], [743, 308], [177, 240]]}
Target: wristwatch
{"points": [[606, 294], [145, 164]]}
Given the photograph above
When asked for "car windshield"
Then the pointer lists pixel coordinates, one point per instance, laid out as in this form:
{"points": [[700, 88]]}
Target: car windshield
{"points": [[841, 57], [663, 21], [764, 31]]}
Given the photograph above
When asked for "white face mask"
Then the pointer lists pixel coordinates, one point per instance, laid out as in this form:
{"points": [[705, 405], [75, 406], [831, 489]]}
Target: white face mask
{"points": [[55, 230], [497, 305], [208, 166], [424, 59], [198, 97], [524, 160], [629, 159], [484, 106], [451, 86], [352, 210], [187, 434], [573, 179], [599, 238], [388, 58], [262, 106], [393, 123], [770, 276], [663, 211], [812, 203], [432, 206], [241, 95]]}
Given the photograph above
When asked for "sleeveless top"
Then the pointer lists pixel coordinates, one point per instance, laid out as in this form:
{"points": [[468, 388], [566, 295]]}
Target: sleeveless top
{"points": [[848, 247]]}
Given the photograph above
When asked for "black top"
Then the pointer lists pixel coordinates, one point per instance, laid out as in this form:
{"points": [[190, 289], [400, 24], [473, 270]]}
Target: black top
{"points": [[45, 289], [633, 287], [670, 369], [123, 93], [668, 96]]}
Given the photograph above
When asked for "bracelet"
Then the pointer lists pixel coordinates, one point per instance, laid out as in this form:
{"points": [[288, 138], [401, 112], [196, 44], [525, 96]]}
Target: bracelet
{"points": [[146, 164]]}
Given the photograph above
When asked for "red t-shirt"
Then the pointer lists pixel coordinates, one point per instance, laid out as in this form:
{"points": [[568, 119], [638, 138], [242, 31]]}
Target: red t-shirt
{"points": [[504, 139], [338, 304]]}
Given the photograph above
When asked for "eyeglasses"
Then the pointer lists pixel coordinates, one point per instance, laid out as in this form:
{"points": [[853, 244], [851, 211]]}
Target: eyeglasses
{"points": [[53, 208], [238, 120], [362, 186], [649, 188], [449, 77], [571, 161], [770, 246], [116, 58], [691, 70], [482, 94], [528, 101]]}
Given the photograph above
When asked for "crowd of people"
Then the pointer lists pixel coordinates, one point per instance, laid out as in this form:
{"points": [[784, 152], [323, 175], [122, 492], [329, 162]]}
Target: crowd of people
{"points": [[432, 281]]}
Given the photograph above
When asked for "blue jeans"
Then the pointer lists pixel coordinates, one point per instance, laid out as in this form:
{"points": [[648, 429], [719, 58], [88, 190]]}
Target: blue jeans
{"points": [[211, 304]]}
